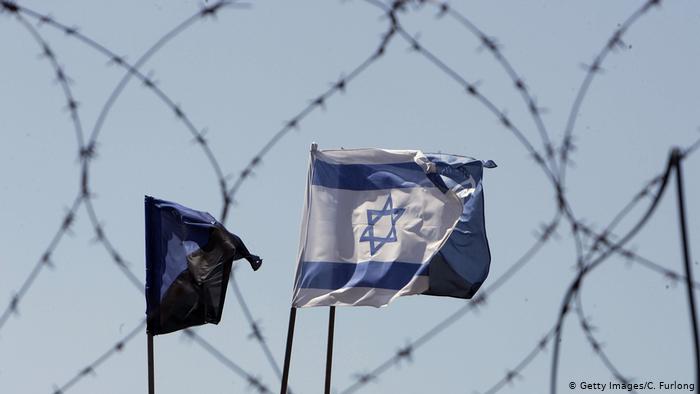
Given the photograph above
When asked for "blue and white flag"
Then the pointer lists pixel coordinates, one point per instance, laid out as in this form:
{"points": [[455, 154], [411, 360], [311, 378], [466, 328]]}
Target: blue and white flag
{"points": [[379, 224]]}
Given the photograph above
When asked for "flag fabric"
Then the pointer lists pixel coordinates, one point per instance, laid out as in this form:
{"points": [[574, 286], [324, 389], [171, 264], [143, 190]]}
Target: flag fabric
{"points": [[188, 261], [379, 224]]}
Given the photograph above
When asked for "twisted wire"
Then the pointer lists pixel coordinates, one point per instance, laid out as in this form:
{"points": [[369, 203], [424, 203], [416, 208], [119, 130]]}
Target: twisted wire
{"points": [[69, 217], [87, 150]]}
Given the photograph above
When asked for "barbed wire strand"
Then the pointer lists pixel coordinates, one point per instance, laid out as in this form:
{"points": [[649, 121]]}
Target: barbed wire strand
{"points": [[440, 64], [62, 78], [586, 326], [472, 90], [44, 261], [595, 344], [191, 333], [567, 145], [205, 12], [517, 370], [115, 349], [147, 81], [546, 234], [91, 368], [492, 46], [252, 380], [68, 219], [567, 141], [563, 204], [675, 160], [318, 102], [519, 85], [363, 378], [99, 229], [504, 120], [117, 259], [256, 329], [638, 259], [406, 352], [87, 153], [87, 150], [584, 271]]}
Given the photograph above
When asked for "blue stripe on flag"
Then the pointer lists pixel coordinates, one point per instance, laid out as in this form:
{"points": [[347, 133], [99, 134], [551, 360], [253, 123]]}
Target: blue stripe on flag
{"points": [[369, 176], [376, 274]]}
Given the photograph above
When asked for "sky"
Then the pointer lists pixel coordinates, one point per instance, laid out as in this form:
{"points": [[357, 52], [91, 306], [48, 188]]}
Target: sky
{"points": [[244, 73]]}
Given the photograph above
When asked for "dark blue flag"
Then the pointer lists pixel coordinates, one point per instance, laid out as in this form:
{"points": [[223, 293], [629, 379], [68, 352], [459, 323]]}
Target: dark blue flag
{"points": [[188, 261]]}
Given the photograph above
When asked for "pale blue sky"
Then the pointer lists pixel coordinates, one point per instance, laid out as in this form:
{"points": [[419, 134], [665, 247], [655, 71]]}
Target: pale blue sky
{"points": [[241, 77]]}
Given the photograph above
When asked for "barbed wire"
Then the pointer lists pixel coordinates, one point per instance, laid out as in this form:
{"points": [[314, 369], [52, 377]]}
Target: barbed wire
{"points": [[88, 151], [546, 234], [406, 352], [44, 261], [596, 345], [517, 370], [256, 329], [592, 70], [319, 101], [637, 259], [364, 378], [149, 82], [574, 288], [585, 323], [493, 47], [91, 368], [503, 119], [575, 285], [576, 224], [601, 244], [254, 381], [69, 217], [602, 240], [206, 12]]}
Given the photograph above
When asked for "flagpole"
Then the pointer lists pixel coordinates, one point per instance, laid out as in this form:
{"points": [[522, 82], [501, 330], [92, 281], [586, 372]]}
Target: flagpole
{"points": [[677, 157], [290, 332], [329, 349], [288, 351], [151, 385]]}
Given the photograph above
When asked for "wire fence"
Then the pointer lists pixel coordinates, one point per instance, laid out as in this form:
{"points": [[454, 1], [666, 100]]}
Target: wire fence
{"points": [[593, 247]]}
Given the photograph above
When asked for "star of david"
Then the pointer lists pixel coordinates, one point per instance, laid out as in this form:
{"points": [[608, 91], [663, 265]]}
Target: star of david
{"points": [[373, 216]]}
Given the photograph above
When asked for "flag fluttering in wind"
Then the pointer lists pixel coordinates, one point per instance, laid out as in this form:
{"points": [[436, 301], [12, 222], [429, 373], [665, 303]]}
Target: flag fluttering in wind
{"points": [[188, 261], [379, 224]]}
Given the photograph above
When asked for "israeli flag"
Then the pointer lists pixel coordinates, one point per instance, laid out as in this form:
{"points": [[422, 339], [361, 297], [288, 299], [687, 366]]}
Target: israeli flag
{"points": [[379, 224]]}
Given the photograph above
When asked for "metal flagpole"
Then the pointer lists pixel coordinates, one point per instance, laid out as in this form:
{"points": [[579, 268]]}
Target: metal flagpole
{"points": [[329, 349], [288, 351], [677, 157], [151, 386], [290, 333]]}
